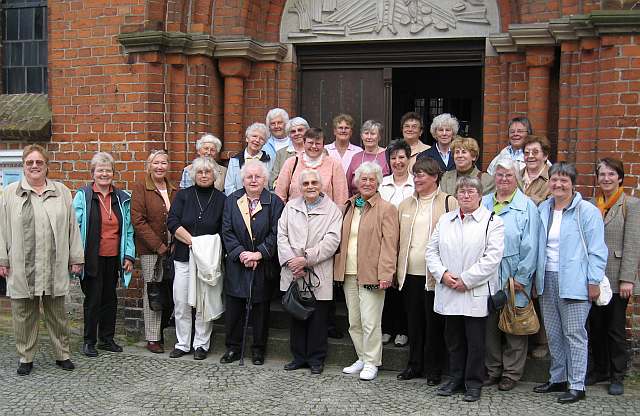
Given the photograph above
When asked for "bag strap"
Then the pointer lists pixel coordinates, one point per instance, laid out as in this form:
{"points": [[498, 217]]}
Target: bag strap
{"points": [[486, 232], [584, 244], [295, 165], [446, 203]]}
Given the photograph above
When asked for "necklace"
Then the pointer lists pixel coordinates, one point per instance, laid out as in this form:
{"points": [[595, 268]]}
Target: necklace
{"points": [[102, 202], [200, 205]]}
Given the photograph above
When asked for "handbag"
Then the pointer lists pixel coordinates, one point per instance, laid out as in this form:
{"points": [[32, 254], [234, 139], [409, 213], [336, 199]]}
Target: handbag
{"points": [[605, 286], [496, 301], [518, 321], [300, 303], [158, 294]]}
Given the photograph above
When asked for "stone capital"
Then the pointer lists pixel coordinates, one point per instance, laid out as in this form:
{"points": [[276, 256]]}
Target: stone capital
{"points": [[234, 67], [540, 56]]}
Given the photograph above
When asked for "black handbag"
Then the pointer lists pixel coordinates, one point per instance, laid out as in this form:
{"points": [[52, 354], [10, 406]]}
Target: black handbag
{"points": [[496, 301], [300, 303], [159, 295]]}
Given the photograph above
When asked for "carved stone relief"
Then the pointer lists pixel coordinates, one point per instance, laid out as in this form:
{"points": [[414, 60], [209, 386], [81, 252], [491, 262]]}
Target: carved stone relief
{"points": [[352, 20]]}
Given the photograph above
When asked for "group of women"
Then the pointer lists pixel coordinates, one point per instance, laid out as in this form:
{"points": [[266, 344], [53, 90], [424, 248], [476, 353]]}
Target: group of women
{"points": [[435, 237]]}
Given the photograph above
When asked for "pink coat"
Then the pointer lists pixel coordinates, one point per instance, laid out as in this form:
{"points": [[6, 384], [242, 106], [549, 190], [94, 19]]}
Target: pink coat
{"points": [[334, 182]]}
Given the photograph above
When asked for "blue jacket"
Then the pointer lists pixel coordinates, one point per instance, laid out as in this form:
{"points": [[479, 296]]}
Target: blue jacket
{"points": [[82, 207], [233, 182], [577, 268], [521, 224], [270, 146]]}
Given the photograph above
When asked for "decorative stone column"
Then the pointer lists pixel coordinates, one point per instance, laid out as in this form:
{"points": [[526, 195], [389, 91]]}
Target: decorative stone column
{"points": [[539, 62], [234, 71]]}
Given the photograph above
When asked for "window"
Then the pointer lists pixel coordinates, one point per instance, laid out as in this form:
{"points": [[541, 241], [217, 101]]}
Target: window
{"points": [[24, 41]]}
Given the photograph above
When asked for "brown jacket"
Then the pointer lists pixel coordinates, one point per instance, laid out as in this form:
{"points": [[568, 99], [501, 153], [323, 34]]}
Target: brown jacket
{"points": [[149, 216], [378, 236], [538, 190]]}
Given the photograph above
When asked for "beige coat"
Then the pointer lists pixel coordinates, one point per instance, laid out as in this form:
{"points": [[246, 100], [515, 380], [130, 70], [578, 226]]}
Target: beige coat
{"points": [[66, 233], [378, 235], [538, 190], [314, 235], [449, 180], [407, 212]]}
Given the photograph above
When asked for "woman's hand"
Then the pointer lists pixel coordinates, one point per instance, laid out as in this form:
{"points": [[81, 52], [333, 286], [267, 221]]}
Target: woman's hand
{"points": [[297, 265], [183, 235], [594, 292], [76, 269], [449, 280], [459, 285], [385, 284], [626, 289], [517, 286], [127, 265], [4, 271]]}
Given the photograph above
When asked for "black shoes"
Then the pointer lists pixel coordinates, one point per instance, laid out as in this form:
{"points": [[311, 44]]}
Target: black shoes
{"points": [[317, 369], [229, 357], [408, 374], [109, 345], [177, 353], [89, 350], [258, 358], [24, 369], [450, 389], [571, 396], [66, 365], [200, 354], [616, 388], [472, 394], [294, 365], [550, 387]]}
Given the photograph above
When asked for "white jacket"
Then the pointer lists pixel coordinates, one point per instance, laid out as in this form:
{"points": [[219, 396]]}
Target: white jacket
{"points": [[460, 247], [205, 276]]}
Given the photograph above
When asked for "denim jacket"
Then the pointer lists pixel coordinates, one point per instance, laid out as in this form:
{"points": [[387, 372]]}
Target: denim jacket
{"points": [[577, 268], [521, 224]]}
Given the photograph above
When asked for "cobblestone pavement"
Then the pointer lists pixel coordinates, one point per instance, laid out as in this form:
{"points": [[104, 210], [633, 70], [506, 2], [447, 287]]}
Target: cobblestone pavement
{"points": [[136, 382]]}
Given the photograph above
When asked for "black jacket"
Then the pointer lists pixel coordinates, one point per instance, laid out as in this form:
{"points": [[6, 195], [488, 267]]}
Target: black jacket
{"points": [[433, 153]]}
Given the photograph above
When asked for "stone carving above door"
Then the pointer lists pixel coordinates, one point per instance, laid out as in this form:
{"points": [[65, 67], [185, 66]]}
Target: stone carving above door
{"points": [[305, 21]]}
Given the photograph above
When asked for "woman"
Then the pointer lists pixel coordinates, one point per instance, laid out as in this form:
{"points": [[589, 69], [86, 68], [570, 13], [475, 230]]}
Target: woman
{"points": [[37, 224], [443, 129], [507, 353], [395, 188], [249, 232], [465, 153], [313, 157], [370, 133], [366, 263], [463, 256], [255, 136], [104, 214], [607, 335], [150, 202], [419, 215], [296, 127], [412, 125], [569, 271], [207, 146], [535, 174], [308, 237], [196, 211], [276, 120], [342, 149]]}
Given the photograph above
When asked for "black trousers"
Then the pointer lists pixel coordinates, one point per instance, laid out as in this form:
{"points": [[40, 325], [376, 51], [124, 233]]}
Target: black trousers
{"points": [[101, 301], [465, 341], [308, 339], [394, 316], [234, 318], [607, 338]]}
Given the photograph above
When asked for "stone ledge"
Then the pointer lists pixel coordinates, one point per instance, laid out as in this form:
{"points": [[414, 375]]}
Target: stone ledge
{"points": [[25, 117]]}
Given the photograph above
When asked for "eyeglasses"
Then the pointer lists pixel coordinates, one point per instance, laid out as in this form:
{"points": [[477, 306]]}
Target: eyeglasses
{"points": [[519, 131], [31, 162], [467, 192], [309, 183], [505, 175], [343, 128], [534, 152], [411, 126]]}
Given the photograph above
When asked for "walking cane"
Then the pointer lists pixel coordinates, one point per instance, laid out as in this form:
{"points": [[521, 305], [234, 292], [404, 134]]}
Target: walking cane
{"points": [[246, 318]]}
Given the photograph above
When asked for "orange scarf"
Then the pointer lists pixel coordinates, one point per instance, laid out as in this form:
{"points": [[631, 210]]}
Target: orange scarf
{"points": [[604, 206]]}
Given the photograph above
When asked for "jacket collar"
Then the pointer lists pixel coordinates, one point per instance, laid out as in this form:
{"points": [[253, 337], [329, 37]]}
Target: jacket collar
{"points": [[24, 188], [151, 186], [240, 156], [372, 201], [299, 205], [518, 202]]}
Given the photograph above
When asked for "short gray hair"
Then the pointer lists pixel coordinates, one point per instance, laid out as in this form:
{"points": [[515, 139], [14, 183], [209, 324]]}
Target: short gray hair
{"points": [[564, 169], [308, 172], [277, 112], [209, 138], [444, 120], [505, 162], [368, 168], [259, 127], [101, 157], [251, 163], [469, 182], [372, 125], [294, 122], [202, 163]]}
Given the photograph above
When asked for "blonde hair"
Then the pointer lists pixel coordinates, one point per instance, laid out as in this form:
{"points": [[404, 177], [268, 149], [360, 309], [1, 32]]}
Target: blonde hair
{"points": [[467, 143]]}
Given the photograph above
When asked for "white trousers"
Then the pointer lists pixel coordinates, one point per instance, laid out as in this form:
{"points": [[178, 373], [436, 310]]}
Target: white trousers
{"points": [[182, 312], [365, 320]]}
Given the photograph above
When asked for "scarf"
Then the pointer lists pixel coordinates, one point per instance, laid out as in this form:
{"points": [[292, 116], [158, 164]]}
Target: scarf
{"points": [[604, 206]]}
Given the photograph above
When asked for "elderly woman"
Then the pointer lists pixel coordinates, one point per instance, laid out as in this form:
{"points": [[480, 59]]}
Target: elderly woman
{"points": [[195, 211], [621, 215], [276, 120], [443, 129], [463, 256], [255, 136], [370, 133], [37, 225], [572, 256], [342, 149], [366, 263], [296, 127], [535, 174], [207, 146], [519, 129], [412, 126], [249, 232], [308, 237], [419, 215], [313, 157], [507, 353], [465, 153], [104, 214], [150, 202], [395, 188]]}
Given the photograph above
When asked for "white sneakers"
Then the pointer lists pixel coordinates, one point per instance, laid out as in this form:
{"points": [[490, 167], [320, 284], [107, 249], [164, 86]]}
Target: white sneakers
{"points": [[369, 372], [401, 340], [354, 368]]}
